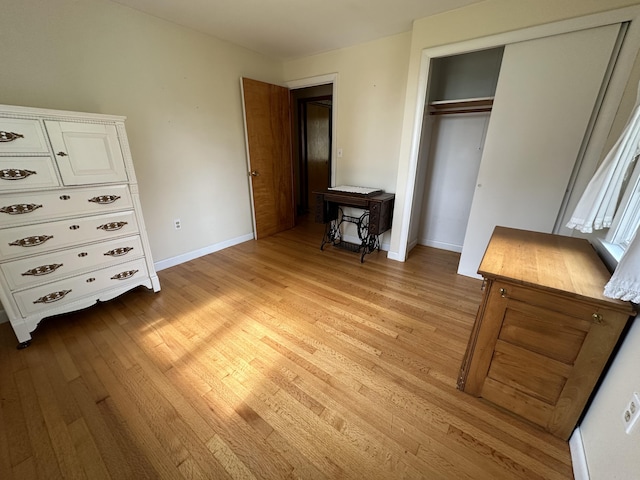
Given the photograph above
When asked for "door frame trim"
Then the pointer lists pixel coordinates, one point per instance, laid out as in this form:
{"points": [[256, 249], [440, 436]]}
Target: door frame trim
{"points": [[600, 132], [330, 78]]}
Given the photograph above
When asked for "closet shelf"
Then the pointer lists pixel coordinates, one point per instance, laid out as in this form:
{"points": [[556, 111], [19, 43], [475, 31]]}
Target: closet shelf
{"points": [[466, 105]]}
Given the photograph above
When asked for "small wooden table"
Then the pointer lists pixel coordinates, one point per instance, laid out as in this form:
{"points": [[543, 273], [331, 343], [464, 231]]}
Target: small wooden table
{"points": [[373, 222], [544, 331]]}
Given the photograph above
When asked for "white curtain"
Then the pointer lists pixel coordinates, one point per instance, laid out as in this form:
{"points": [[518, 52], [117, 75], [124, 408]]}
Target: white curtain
{"points": [[625, 281], [598, 203]]}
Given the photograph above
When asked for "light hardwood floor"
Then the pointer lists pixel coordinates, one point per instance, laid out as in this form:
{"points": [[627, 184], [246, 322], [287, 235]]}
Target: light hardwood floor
{"points": [[273, 360]]}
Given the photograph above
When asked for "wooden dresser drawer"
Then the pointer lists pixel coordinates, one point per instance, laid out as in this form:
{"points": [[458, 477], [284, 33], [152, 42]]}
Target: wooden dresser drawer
{"points": [[24, 173], [24, 241], [71, 289], [39, 269], [18, 209], [20, 135]]}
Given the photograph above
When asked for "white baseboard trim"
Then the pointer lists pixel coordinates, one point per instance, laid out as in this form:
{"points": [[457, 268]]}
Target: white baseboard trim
{"points": [[578, 456], [441, 245], [185, 257]]}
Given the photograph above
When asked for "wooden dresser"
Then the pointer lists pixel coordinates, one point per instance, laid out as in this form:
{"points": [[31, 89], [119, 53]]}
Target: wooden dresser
{"points": [[71, 225], [544, 331]]}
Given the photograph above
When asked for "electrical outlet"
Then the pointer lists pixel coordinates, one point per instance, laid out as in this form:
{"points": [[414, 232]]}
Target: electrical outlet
{"points": [[631, 413], [177, 224]]}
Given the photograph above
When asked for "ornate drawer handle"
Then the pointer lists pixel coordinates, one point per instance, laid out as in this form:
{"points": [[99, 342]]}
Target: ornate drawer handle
{"points": [[111, 226], [124, 275], [53, 297], [91, 279], [83, 254], [61, 154], [15, 173], [104, 199], [74, 227], [65, 197], [43, 270], [118, 252], [9, 136], [31, 241], [20, 208]]}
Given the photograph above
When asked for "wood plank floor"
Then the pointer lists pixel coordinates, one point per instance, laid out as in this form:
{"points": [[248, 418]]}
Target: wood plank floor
{"points": [[267, 360]]}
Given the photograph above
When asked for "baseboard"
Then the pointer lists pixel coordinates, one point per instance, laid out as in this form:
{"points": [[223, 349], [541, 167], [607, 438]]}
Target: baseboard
{"points": [[441, 245], [578, 456], [185, 257]]}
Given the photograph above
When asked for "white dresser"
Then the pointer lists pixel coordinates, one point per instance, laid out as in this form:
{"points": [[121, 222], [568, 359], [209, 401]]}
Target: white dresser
{"points": [[71, 226]]}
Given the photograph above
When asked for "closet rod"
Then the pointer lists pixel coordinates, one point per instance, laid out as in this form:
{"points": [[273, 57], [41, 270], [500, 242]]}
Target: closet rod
{"points": [[456, 111]]}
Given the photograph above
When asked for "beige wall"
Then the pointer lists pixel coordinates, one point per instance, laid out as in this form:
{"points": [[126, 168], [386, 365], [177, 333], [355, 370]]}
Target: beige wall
{"points": [[369, 105], [179, 89]]}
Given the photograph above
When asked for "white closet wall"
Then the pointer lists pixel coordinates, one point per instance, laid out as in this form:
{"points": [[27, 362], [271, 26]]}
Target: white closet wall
{"points": [[454, 160]]}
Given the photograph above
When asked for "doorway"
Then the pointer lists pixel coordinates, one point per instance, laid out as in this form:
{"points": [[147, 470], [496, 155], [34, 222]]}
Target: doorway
{"points": [[312, 143]]}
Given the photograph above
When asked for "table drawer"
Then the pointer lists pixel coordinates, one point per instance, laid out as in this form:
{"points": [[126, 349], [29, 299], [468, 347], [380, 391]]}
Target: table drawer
{"points": [[18, 209], [35, 270], [66, 291], [32, 239], [24, 173], [18, 135]]}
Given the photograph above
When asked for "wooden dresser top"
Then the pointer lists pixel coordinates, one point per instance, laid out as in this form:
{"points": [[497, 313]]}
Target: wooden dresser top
{"points": [[556, 263]]}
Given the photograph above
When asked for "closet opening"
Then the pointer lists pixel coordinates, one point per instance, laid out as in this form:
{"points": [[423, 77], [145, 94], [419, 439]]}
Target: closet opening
{"points": [[460, 93]]}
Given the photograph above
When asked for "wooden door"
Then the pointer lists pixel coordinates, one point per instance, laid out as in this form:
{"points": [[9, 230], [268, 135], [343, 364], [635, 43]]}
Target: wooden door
{"points": [[268, 132], [318, 149]]}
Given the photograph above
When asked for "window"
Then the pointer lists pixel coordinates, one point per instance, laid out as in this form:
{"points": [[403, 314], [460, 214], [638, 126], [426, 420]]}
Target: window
{"points": [[627, 218]]}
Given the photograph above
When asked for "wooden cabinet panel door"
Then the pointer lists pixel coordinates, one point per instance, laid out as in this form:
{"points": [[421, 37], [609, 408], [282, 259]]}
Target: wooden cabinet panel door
{"points": [[268, 133]]}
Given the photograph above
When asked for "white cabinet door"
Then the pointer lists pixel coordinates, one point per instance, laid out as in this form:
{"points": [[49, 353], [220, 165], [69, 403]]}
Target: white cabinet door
{"points": [[86, 153], [545, 96]]}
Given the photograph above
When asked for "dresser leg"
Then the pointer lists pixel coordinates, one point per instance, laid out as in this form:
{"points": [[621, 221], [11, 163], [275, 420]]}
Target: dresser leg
{"points": [[23, 345]]}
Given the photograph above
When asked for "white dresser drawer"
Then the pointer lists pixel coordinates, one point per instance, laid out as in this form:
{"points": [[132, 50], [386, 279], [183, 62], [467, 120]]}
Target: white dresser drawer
{"points": [[33, 239], [17, 209], [38, 269], [19, 135], [71, 289], [23, 173]]}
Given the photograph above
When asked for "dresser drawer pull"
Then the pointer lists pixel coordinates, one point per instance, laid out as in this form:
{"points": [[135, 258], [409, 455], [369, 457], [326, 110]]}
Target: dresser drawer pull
{"points": [[65, 197], [597, 318], [89, 280], [503, 292], [104, 199], [53, 297], [118, 252], [31, 241], [43, 270], [124, 275], [9, 136], [15, 173], [20, 208], [83, 254], [111, 226], [61, 154], [74, 227]]}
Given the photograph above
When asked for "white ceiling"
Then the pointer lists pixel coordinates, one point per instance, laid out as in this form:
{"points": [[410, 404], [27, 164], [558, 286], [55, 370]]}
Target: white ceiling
{"points": [[288, 29]]}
